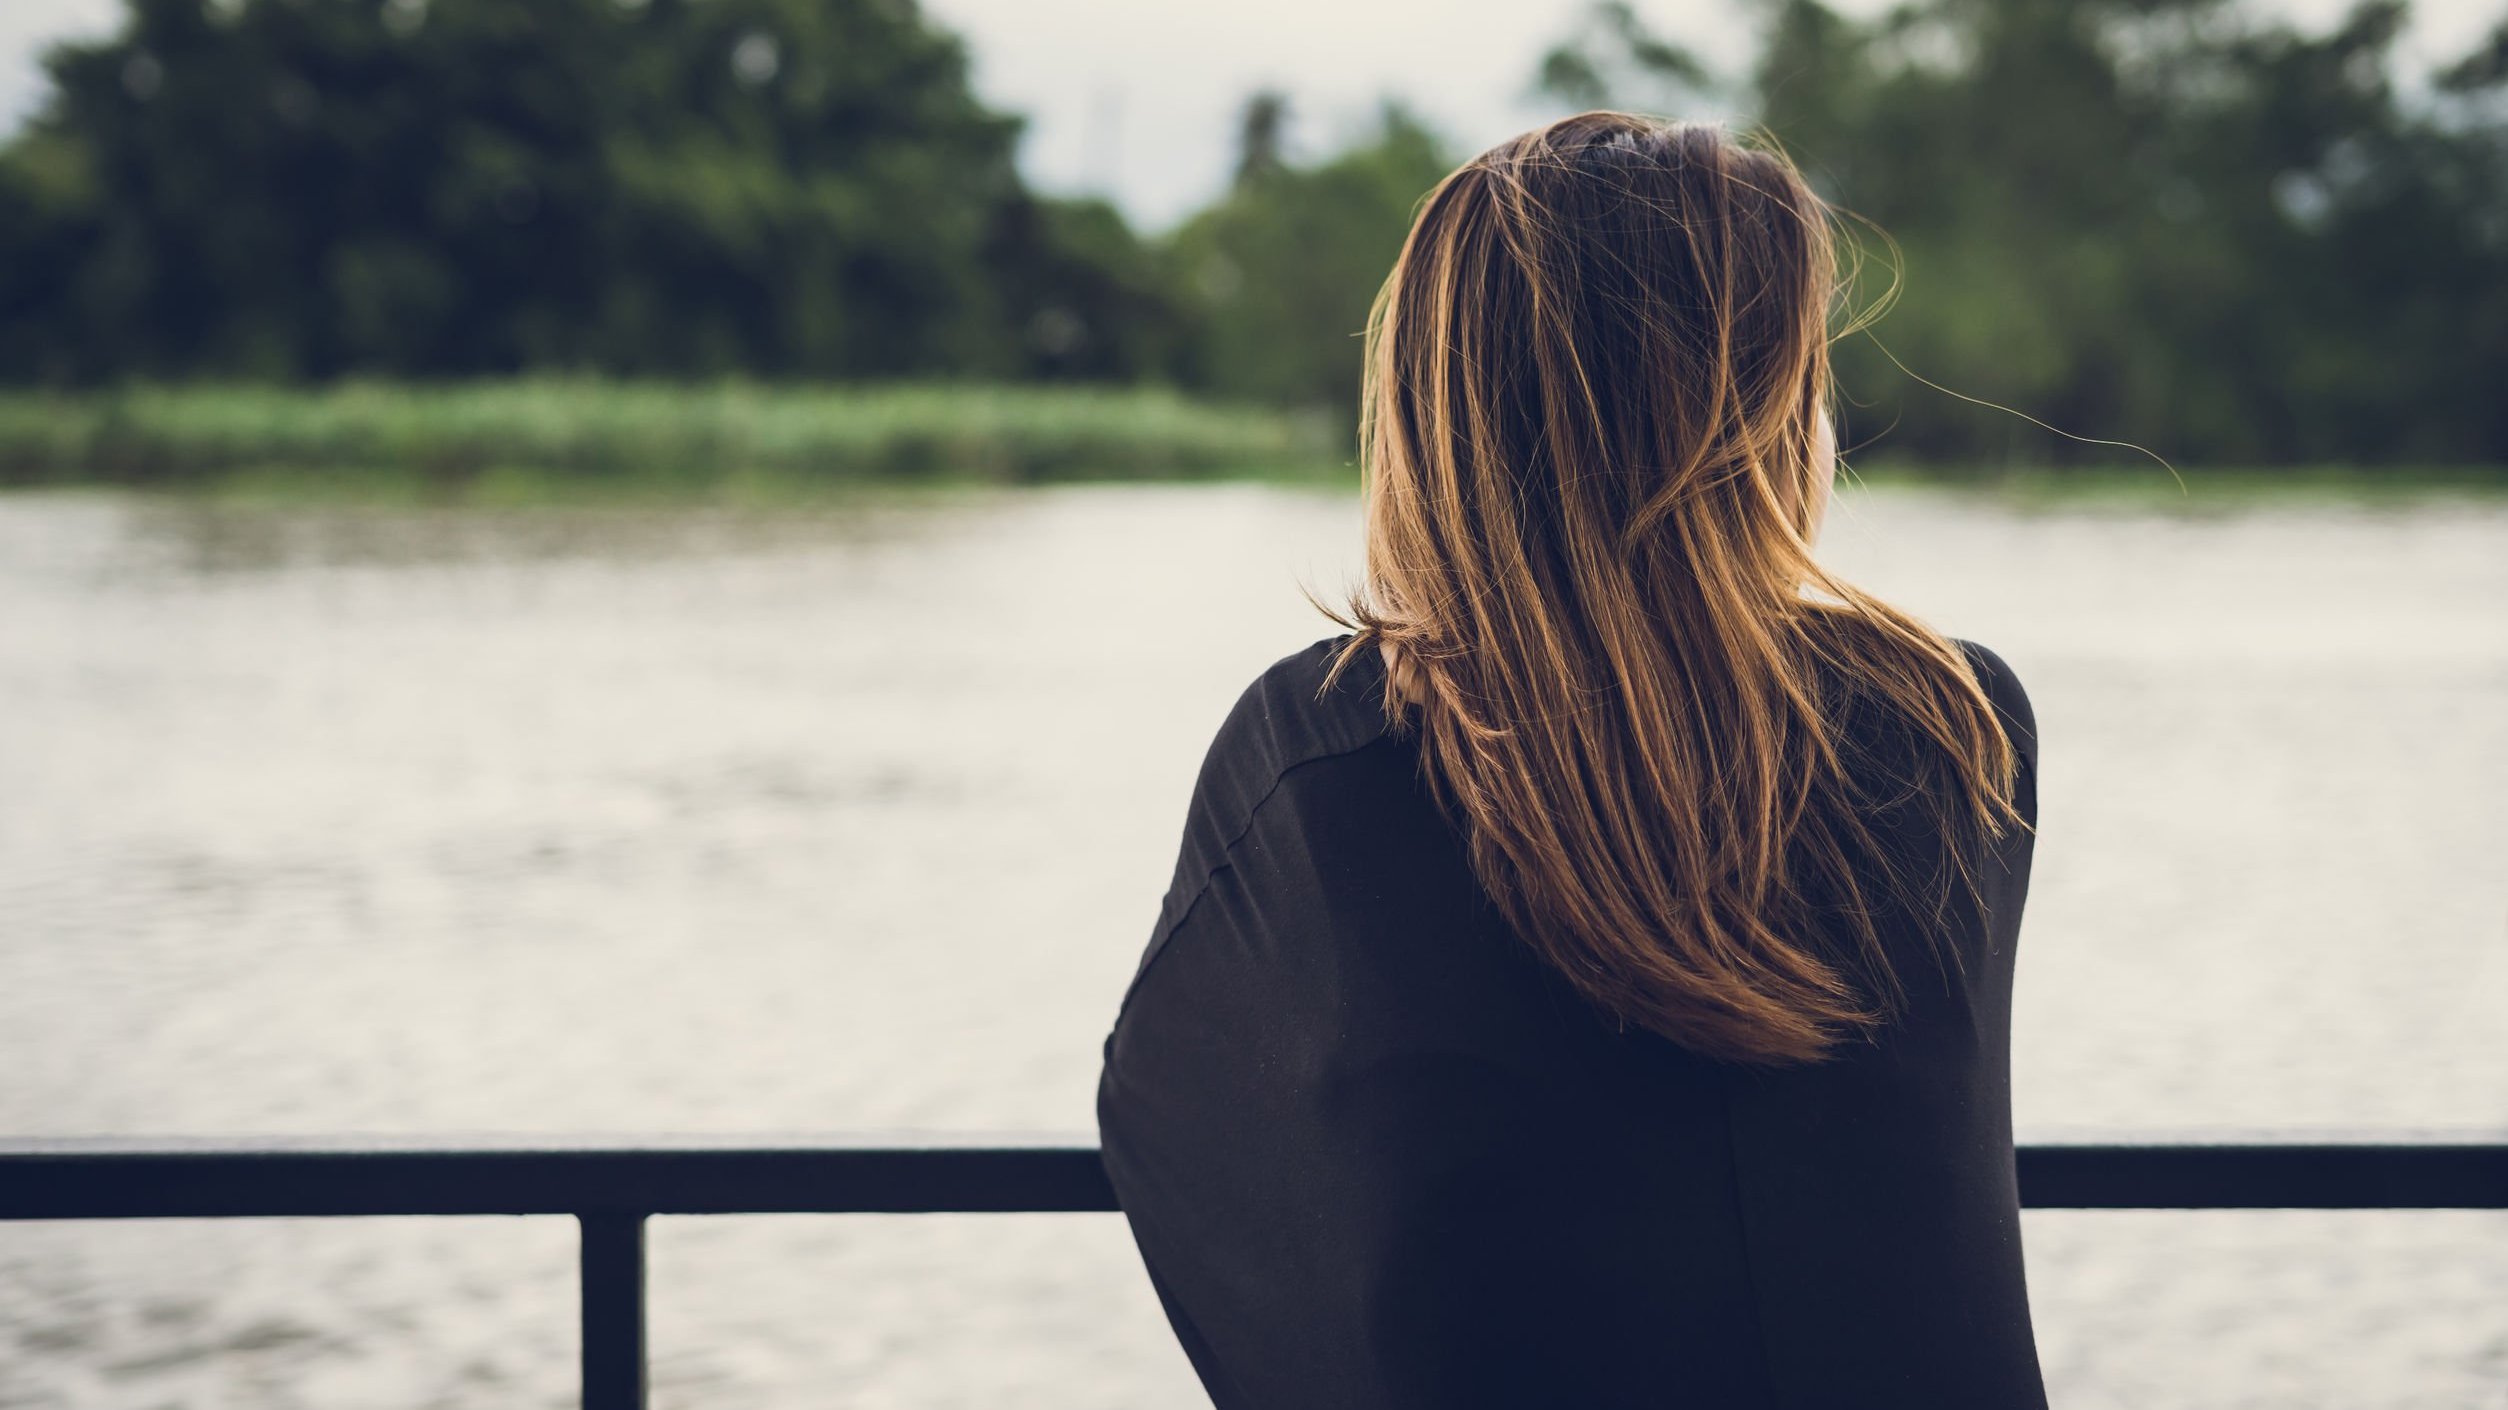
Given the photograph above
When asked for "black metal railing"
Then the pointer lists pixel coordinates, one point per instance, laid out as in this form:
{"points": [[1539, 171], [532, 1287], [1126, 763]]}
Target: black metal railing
{"points": [[612, 1187]]}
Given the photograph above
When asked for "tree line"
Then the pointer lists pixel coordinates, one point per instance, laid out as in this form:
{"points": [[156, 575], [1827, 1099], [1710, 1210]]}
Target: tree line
{"points": [[2161, 221]]}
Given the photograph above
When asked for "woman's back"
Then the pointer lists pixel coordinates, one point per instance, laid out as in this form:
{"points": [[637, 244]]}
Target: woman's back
{"points": [[1378, 1153], [1588, 982]]}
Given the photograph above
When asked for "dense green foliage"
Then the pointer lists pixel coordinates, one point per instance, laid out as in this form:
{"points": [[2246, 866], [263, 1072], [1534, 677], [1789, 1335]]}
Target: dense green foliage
{"points": [[1279, 273], [661, 433], [2163, 221], [288, 188]]}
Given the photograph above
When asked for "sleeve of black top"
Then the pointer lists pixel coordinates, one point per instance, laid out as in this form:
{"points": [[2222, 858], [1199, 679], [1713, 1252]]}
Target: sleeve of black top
{"points": [[2011, 703]]}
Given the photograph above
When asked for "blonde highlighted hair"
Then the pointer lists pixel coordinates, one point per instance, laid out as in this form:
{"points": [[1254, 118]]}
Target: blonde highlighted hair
{"points": [[1591, 442]]}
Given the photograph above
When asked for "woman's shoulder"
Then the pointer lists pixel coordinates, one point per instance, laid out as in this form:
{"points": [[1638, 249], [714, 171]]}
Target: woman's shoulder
{"points": [[1303, 709], [1844, 642], [2001, 685], [1296, 714], [1310, 704]]}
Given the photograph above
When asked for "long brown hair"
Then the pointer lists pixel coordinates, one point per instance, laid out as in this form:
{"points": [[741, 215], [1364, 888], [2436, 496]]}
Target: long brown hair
{"points": [[1591, 441]]}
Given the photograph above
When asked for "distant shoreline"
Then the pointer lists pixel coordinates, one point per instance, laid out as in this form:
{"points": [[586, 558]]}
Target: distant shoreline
{"points": [[553, 441]]}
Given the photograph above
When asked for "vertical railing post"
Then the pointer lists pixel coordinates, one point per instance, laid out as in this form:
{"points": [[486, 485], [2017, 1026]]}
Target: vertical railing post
{"points": [[613, 1311]]}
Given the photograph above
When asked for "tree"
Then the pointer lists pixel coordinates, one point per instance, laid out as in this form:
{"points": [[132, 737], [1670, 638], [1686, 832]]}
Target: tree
{"points": [[2163, 221], [1280, 272], [308, 187], [1262, 127]]}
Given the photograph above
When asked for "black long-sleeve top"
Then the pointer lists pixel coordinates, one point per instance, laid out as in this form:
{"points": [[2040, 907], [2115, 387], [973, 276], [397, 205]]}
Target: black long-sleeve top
{"points": [[1376, 1154]]}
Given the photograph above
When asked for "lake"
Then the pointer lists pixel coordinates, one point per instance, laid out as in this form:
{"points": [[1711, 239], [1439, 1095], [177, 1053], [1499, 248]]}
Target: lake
{"points": [[619, 820]]}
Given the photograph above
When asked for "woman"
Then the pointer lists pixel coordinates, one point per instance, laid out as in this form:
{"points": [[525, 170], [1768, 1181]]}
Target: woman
{"points": [[1587, 982]]}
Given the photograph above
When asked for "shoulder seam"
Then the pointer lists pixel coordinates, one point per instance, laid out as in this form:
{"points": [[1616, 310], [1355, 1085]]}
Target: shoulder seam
{"points": [[1227, 861]]}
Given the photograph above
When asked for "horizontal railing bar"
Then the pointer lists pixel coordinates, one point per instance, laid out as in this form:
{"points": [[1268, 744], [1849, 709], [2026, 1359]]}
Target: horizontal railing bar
{"points": [[2294, 1175], [121, 1178], [56, 1180]]}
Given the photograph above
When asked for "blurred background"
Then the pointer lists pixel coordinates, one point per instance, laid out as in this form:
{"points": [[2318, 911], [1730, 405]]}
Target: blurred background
{"points": [[666, 565]]}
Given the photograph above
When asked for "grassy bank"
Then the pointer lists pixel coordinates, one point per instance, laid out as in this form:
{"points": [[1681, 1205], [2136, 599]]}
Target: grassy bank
{"points": [[540, 440], [2148, 485], [541, 437]]}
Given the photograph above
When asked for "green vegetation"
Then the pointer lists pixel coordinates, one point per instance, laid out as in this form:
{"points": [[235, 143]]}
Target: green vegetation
{"points": [[535, 437], [2194, 490], [566, 441], [1278, 274], [273, 189], [2180, 223]]}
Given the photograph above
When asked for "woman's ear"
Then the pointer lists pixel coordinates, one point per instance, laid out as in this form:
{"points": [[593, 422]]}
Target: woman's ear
{"points": [[1823, 471]]}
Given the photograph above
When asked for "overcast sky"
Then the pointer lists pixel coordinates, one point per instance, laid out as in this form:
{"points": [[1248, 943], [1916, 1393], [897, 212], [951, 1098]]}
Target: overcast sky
{"points": [[1137, 98]]}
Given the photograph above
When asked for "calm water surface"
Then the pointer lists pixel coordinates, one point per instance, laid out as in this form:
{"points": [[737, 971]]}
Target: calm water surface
{"points": [[608, 820]]}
